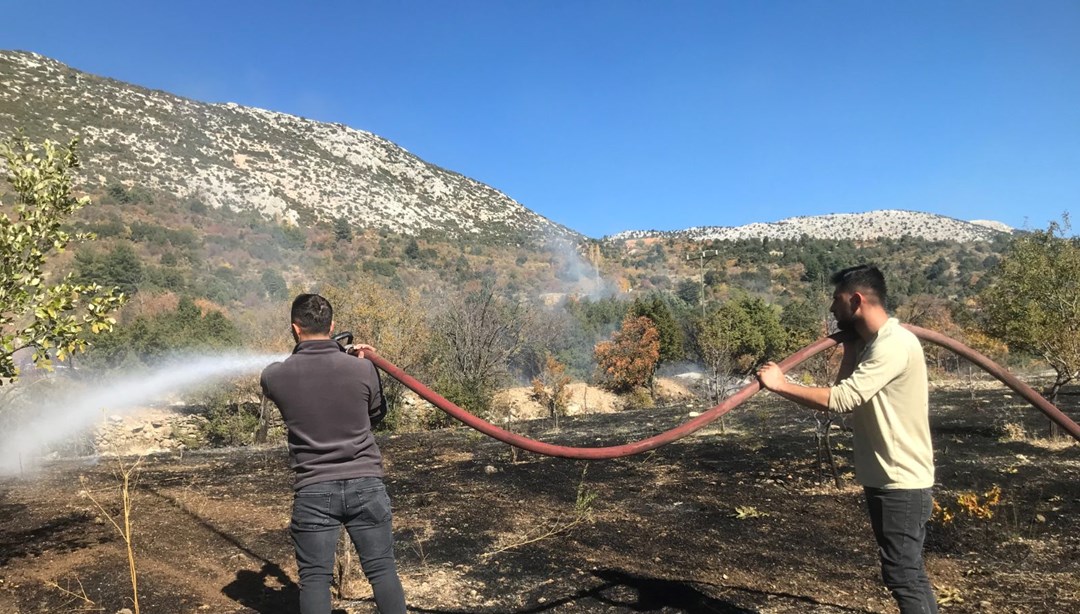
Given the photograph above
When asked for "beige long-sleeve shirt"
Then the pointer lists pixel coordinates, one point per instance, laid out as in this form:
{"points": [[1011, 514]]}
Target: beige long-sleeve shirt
{"points": [[888, 398]]}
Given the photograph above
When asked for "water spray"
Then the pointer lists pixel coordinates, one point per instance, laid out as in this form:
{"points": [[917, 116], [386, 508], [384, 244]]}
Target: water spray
{"points": [[76, 412]]}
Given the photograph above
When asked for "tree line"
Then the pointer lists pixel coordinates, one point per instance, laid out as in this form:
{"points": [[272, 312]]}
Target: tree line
{"points": [[489, 333]]}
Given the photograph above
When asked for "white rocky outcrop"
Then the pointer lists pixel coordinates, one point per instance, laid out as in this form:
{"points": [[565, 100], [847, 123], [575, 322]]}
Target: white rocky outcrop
{"points": [[890, 223]]}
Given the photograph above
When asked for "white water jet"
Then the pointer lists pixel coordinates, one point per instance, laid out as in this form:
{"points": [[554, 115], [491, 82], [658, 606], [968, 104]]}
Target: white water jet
{"points": [[79, 410]]}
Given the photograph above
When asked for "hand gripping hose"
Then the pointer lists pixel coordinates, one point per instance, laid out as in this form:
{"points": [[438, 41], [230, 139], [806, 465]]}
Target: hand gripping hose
{"points": [[650, 443]]}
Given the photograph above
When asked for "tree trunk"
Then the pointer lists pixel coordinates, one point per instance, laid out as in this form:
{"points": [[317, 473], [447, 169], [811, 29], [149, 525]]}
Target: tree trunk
{"points": [[344, 567], [1056, 432], [830, 457], [822, 437], [264, 420]]}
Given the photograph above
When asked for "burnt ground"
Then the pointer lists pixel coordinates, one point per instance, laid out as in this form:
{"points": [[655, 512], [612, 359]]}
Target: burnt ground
{"points": [[744, 520]]}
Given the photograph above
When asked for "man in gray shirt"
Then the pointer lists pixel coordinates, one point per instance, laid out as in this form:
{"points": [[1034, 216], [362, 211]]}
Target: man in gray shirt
{"points": [[327, 399], [882, 383]]}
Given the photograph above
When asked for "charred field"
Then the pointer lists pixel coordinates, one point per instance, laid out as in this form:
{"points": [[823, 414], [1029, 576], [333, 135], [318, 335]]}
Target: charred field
{"points": [[739, 517]]}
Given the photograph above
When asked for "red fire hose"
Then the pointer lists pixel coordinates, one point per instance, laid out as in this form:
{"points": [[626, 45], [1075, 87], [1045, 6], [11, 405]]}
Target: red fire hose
{"points": [[650, 443]]}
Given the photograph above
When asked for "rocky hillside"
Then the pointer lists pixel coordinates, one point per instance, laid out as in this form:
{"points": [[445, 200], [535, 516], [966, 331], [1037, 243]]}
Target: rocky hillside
{"points": [[838, 226], [301, 171], [227, 155]]}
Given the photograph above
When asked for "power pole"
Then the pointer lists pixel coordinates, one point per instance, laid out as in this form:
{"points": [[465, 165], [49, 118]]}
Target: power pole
{"points": [[705, 253], [594, 255]]}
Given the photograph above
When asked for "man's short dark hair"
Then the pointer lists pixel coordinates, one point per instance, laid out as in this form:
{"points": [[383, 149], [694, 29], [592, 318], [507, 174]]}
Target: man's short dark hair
{"points": [[312, 313], [864, 278]]}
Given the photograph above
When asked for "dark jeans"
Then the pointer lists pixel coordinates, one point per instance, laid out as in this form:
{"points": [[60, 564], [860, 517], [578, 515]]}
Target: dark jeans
{"points": [[899, 521], [363, 506]]}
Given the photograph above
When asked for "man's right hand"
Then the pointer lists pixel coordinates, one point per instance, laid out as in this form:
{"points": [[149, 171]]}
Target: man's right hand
{"points": [[770, 376], [359, 349]]}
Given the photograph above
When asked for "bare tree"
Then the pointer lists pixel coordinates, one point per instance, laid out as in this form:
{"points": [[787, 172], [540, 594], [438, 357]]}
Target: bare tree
{"points": [[475, 337]]}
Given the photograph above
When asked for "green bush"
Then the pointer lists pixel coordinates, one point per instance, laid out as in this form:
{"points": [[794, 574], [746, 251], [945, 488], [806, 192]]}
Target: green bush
{"points": [[231, 409], [147, 339], [231, 425], [119, 267], [384, 268], [641, 398]]}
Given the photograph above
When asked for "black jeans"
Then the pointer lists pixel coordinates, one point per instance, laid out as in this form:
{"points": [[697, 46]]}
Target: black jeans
{"points": [[363, 506], [899, 521]]}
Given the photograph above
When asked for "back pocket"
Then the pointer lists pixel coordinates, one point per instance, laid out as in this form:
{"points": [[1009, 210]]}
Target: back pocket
{"points": [[311, 511], [376, 506]]}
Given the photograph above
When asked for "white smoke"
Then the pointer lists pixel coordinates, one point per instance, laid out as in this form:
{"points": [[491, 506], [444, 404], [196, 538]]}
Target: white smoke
{"points": [[60, 419], [578, 276]]}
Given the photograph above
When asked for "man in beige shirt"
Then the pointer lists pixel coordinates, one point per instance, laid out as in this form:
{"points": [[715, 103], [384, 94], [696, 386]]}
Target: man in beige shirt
{"points": [[882, 383]]}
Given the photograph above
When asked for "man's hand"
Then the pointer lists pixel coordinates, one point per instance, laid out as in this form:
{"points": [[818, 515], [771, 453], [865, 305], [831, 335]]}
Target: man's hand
{"points": [[771, 377], [848, 361], [359, 349]]}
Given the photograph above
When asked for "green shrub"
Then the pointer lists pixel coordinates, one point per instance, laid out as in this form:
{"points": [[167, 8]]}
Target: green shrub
{"points": [[232, 425], [641, 398]]}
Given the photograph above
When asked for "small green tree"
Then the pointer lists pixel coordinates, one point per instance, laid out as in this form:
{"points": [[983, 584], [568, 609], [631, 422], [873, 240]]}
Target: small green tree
{"points": [[55, 317], [275, 285], [343, 230], [671, 335], [765, 319], [689, 290], [120, 267], [723, 339], [1033, 303], [803, 324]]}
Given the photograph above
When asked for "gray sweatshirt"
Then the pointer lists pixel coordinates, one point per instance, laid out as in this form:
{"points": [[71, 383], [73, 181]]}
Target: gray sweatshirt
{"points": [[326, 397]]}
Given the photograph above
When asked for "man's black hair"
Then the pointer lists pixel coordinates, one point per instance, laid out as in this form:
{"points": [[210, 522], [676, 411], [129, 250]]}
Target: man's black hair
{"points": [[864, 278], [312, 313]]}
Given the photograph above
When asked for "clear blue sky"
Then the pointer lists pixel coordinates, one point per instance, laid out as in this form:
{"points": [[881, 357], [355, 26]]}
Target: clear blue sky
{"points": [[626, 114]]}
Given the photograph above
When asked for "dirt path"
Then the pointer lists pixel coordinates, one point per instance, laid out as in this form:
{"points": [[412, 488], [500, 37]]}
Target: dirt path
{"points": [[743, 520]]}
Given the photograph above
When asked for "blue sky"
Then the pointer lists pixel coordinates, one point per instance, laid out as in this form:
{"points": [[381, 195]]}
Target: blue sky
{"points": [[624, 114]]}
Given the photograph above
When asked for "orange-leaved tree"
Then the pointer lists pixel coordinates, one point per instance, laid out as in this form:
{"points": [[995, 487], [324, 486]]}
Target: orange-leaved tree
{"points": [[629, 359]]}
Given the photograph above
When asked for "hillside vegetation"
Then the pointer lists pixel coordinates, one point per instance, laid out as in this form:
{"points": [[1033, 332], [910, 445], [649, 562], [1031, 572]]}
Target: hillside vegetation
{"points": [[161, 250], [210, 217]]}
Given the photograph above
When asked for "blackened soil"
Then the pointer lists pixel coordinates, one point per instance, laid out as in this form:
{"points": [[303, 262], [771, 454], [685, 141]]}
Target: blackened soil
{"points": [[744, 518]]}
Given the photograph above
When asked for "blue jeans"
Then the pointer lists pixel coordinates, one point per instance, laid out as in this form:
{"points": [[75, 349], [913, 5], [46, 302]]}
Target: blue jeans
{"points": [[899, 520], [319, 511]]}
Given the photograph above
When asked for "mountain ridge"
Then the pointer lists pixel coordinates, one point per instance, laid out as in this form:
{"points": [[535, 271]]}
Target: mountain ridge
{"points": [[302, 171], [884, 223], [245, 158]]}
